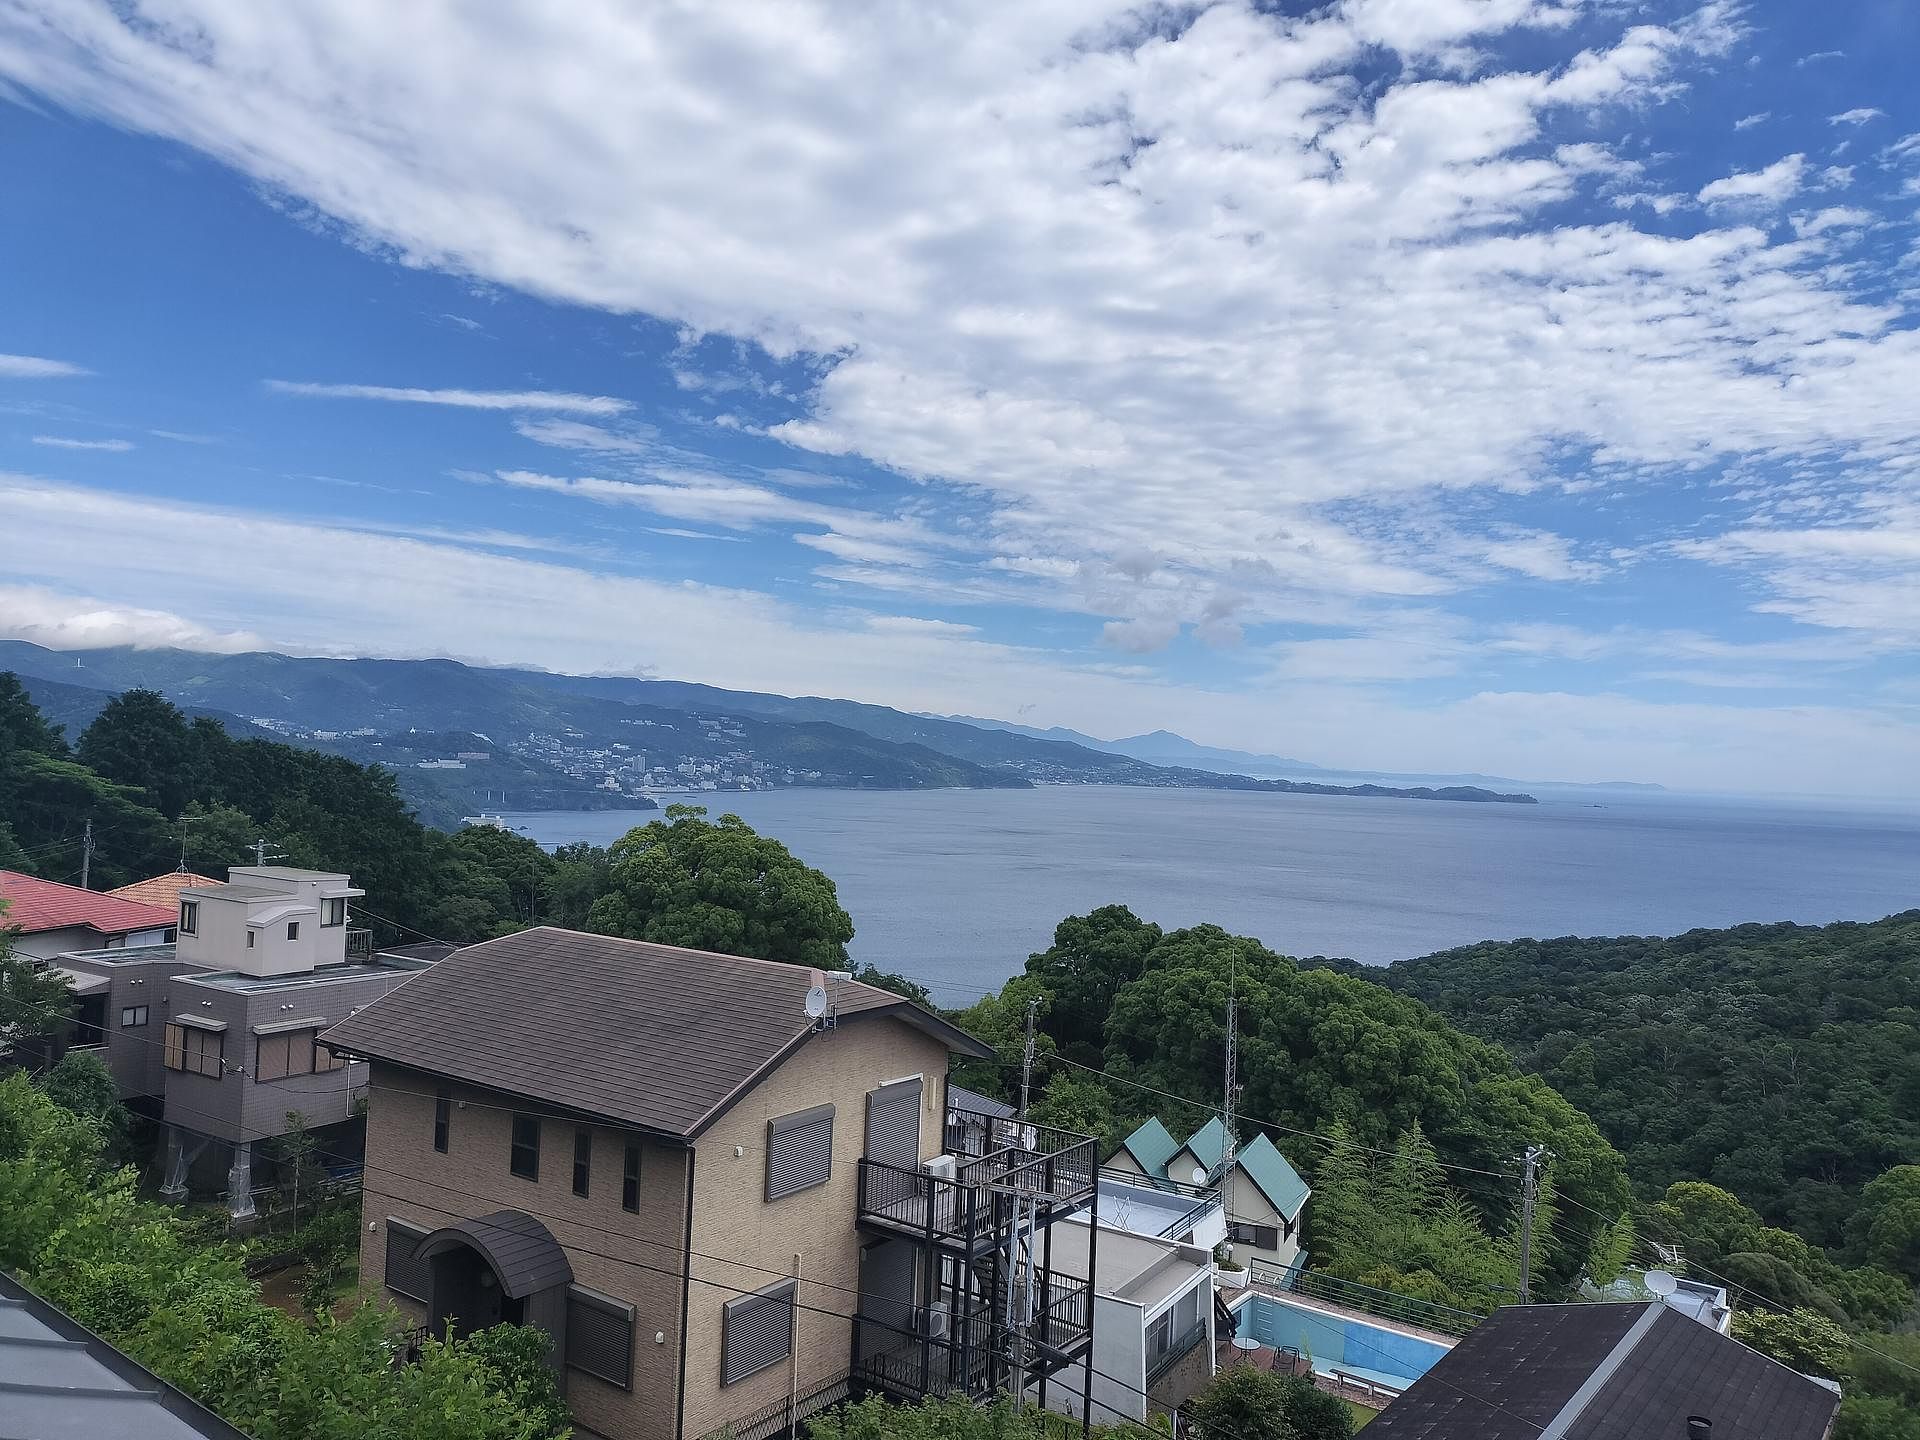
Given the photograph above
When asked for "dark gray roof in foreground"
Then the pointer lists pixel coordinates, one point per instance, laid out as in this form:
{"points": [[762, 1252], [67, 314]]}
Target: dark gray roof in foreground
{"points": [[60, 1381], [1604, 1372], [652, 1036], [521, 1250]]}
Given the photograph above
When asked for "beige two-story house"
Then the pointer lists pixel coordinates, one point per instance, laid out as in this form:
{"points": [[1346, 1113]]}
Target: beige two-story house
{"points": [[729, 1202]]}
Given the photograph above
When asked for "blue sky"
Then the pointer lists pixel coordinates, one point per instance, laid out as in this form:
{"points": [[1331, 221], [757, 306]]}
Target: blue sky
{"points": [[1415, 384]]}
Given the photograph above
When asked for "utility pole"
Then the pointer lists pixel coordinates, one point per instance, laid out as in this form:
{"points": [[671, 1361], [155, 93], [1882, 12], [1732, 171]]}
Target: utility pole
{"points": [[1229, 1104], [260, 856], [1026, 1058], [86, 856], [1529, 1192]]}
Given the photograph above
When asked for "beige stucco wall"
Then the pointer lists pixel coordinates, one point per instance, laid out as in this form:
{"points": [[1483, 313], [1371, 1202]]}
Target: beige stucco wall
{"points": [[633, 1258], [1247, 1204], [732, 1217]]}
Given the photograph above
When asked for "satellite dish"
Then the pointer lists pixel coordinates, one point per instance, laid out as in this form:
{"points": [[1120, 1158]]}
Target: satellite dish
{"points": [[816, 1002], [1199, 1174], [1661, 1282]]}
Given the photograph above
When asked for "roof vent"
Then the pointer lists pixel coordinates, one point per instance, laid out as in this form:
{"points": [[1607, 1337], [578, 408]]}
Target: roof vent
{"points": [[1699, 1428]]}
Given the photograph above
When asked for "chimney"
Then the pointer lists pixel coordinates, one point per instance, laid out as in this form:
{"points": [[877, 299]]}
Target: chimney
{"points": [[1699, 1428]]}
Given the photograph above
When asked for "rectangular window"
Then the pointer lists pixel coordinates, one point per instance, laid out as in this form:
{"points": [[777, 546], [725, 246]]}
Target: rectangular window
{"points": [[525, 1160], [194, 1050], [1159, 1337], [442, 1120], [1261, 1237], [756, 1331], [630, 1179], [293, 930], [600, 1336], [277, 1057], [799, 1151], [582, 1158], [406, 1275], [333, 911], [132, 1015], [324, 1059], [250, 939], [189, 917]]}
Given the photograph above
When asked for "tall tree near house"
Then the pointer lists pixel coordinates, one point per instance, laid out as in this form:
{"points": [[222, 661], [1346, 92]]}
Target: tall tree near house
{"points": [[33, 1002], [720, 885], [142, 739]]}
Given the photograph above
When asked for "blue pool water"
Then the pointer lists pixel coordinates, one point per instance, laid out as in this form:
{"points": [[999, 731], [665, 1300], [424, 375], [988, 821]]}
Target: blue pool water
{"points": [[1376, 1351]]}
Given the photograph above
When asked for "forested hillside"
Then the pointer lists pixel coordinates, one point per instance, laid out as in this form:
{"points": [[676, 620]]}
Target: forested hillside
{"points": [[1780, 1062]]}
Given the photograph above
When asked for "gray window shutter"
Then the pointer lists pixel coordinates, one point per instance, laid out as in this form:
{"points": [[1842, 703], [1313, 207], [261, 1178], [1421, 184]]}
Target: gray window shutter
{"points": [[756, 1331], [893, 1124], [406, 1275], [600, 1336], [799, 1151]]}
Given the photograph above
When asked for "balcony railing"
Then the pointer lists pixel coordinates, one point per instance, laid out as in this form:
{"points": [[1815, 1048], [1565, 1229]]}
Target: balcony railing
{"points": [[359, 944], [1315, 1285]]}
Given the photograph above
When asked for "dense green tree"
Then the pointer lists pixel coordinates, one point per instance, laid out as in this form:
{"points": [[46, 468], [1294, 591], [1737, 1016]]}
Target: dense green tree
{"points": [[578, 878], [1242, 1403], [1084, 1106], [1318, 1046], [142, 740], [33, 1003], [81, 1083], [720, 885], [1780, 1062], [1872, 1417], [520, 866], [1091, 957], [1000, 1019], [1809, 1342], [1889, 1221], [948, 1418]]}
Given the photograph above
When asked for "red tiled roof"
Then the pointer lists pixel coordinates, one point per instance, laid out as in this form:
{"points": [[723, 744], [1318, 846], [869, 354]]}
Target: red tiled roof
{"points": [[35, 905], [163, 889]]}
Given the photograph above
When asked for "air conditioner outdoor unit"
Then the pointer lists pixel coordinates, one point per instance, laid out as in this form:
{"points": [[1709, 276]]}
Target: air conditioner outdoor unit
{"points": [[941, 1167], [937, 1319]]}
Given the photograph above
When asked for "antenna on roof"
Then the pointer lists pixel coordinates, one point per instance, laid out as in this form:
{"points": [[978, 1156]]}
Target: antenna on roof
{"points": [[818, 1009], [1661, 1282]]}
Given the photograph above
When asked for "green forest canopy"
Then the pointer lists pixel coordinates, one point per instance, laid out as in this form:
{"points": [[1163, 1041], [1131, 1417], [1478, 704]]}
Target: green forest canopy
{"points": [[1780, 1062]]}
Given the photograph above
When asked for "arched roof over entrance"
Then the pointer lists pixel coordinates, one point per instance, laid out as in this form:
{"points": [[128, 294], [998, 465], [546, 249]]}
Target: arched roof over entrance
{"points": [[522, 1251]]}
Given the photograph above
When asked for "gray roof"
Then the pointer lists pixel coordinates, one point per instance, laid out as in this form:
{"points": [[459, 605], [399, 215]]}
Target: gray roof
{"points": [[961, 1098], [651, 1036], [521, 1250], [60, 1381], [1604, 1372]]}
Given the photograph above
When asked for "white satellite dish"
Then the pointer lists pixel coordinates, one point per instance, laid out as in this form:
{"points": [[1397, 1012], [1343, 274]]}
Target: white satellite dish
{"points": [[1199, 1174], [816, 1002], [1661, 1282]]}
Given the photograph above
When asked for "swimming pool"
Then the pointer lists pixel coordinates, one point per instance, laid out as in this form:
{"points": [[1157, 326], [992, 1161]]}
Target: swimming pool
{"points": [[1375, 1350]]}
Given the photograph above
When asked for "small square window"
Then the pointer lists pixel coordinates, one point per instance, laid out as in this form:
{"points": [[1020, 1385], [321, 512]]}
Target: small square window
{"points": [[132, 1015], [293, 930], [524, 1160], [582, 1159]]}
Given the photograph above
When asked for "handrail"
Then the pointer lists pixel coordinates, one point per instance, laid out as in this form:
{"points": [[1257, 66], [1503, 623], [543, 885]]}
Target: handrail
{"points": [[1177, 1350], [1386, 1304]]}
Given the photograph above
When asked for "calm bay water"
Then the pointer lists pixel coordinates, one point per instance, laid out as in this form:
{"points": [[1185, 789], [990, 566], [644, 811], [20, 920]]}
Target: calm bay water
{"points": [[956, 887]]}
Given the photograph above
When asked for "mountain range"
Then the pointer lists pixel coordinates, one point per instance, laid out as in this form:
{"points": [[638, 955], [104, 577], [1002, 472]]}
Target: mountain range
{"points": [[570, 741]]}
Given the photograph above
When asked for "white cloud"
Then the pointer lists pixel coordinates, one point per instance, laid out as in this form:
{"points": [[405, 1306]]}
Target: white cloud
{"points": [[1747, 122], [1838, 217], [59, 621], [1773, 186], [554, 400], [62, 442], [577, 435], [34, 367], [1140, 636], [406, 596], [1541, 556], [1858, 116]]}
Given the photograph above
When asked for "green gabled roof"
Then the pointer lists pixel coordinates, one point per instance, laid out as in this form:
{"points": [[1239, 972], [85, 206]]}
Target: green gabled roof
{"points": [[1208, 1144], [1151, 1148], [1278, 1181]]}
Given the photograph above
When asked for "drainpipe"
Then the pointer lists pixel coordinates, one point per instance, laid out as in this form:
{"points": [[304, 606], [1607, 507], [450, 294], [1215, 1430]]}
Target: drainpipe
{"points": [[793, 1350]]}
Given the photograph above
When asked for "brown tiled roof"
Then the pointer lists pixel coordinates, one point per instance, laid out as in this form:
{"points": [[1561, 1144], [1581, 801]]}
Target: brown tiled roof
{"points": [[1604, 1372], [164, 889], [652, 1036]]}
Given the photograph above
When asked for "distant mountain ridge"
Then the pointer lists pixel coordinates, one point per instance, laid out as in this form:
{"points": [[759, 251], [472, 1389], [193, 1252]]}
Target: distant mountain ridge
{"points": [[609, 719]]}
